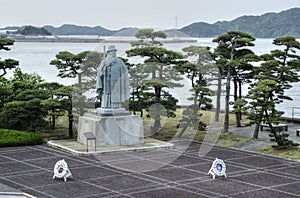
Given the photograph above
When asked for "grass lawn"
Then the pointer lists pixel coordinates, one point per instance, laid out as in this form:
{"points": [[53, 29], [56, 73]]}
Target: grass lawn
{"points": [[168, 131], [61, 130], [212, 135], [289, 153]]}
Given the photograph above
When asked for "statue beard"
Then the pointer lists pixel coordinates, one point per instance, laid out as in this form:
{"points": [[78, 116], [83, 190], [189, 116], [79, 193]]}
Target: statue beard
{"points": [[110, 57]]}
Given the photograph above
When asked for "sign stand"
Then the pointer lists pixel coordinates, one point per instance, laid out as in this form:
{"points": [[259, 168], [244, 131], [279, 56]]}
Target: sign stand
{"points": [[61, 170], [218, 168]]}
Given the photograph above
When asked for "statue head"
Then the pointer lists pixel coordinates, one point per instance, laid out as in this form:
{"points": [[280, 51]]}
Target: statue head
{"points": [[111, 48], [111, 52]]}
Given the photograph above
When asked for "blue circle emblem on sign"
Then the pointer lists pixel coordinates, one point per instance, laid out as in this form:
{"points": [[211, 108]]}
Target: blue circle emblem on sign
{"points": [[219, 167]]}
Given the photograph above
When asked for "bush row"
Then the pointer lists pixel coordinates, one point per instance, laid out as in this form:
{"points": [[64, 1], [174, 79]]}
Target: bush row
{"points": [[19, 138]]}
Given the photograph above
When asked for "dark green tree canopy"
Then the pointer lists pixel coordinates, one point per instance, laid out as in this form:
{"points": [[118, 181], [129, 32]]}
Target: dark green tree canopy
{"points": [[7, 63], [157, 54], [232, 52], [160, 65], [231, 42], [277, 71], [68, 63], [161, 61], [5, 42], [23, 107], [149, 33]]}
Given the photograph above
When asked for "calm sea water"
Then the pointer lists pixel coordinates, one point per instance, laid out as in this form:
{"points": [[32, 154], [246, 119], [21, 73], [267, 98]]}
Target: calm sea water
{"points": [[35, 57]]}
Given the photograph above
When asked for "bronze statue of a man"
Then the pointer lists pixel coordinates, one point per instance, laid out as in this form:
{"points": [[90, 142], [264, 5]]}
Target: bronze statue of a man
{"points": [[112, 83]]}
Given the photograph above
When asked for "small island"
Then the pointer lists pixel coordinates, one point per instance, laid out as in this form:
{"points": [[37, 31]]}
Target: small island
{"points": [[30, 30]]}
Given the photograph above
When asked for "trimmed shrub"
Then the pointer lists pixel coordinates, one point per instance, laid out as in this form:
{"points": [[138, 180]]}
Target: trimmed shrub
{"points": [[18, 138]]}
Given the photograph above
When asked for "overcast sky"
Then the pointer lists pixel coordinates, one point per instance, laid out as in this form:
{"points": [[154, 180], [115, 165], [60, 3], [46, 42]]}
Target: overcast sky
{"points": [[116, 14]]}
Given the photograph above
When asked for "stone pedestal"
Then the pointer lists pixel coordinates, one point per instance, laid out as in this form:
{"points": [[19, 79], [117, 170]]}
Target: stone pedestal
{"points": [[111, 130], [111, 112]]}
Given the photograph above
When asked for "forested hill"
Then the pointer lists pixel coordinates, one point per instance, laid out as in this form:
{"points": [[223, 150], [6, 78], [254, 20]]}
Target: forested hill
{"points": [[69, 29], [29, 30], [270, 25]]}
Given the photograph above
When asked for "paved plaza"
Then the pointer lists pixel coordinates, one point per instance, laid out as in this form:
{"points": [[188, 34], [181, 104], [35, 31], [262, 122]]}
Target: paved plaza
{"points": [[175, 172]]}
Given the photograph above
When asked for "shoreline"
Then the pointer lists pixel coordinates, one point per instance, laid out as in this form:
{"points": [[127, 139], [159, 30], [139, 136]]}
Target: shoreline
{"points": [[91, 40]]}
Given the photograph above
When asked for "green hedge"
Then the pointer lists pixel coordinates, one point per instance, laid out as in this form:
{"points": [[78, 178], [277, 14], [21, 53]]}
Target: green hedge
{"points": [[18, 138]]}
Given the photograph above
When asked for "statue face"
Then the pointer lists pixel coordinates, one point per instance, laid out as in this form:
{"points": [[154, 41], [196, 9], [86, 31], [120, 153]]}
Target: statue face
{"points": [[112, 53]]}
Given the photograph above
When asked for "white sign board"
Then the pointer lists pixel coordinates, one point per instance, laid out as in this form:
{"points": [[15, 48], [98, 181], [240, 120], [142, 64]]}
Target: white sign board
{"points": [[61, 170], [218, 168]]}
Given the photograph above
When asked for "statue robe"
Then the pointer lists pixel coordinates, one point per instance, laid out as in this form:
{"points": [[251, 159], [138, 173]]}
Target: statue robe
{"points": [[112, 83]]}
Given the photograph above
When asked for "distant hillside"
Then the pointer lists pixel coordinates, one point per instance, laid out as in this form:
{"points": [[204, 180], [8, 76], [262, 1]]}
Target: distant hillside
{"points": [[85, 30], [270, 25], [201, 29], [68, 29], [31, 30], [175, 33], [10, 28], [127, 32]]}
